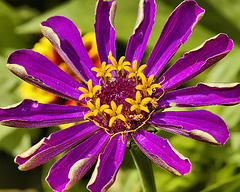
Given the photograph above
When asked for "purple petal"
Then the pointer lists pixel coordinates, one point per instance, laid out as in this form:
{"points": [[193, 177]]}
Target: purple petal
{"points": [[74, 165], [161, 152], [55, 144], [66, 39], [36, 69], [176, 31], [202, 95], [200, 125], [108, 164], [104, 28], [138, 41], [196, 61], [31, 114]]}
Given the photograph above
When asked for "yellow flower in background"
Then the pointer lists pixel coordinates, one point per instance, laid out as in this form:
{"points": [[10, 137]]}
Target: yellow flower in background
{"points": [[90, 44]]}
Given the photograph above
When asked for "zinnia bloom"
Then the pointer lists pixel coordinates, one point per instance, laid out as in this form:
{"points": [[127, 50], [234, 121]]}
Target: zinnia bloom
{"points": [[123, 98]]}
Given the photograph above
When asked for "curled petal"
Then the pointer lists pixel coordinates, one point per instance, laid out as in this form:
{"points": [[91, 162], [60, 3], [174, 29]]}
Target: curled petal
{"points": [[54, 144], [36, 69], [66, 39], [74, 165], [138, 40], [31, 114], [108, 164], [202, 95], [161, 152], [104, 28], [176, 31], [196, 61], [200, 125]]}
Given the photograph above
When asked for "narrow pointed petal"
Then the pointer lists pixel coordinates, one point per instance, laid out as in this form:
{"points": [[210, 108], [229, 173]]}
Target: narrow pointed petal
{"points": [[138, 40], [196, 61], [108, 164], [66, 39], [200, 125], [202, 95], [36, 69], [176, 31], [161, 152], [104, 28], [31, 114], [54, 144], [74, 165]]}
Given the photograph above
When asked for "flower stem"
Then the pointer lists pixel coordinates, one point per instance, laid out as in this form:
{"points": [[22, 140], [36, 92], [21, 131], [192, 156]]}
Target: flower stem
{"points": [[144, 167]]}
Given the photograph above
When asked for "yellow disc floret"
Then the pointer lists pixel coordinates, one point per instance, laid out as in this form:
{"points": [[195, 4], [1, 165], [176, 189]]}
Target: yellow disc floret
{"points": [[96, 109], [118, 66], [147, 86], [134, 71], [103, 71], [115, 113], [90, 93], [139, 105]]}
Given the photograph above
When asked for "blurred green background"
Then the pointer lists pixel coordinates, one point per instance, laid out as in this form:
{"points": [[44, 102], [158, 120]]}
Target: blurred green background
{"points": [[214, 169]]}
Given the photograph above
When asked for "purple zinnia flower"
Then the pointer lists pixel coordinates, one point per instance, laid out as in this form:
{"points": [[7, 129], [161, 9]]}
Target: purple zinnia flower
{"points": [[122, 98]]}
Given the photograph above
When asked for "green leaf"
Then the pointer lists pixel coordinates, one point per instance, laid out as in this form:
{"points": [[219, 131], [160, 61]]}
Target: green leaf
{"points": [[235, 141], [9, 40], [8, 85], [231, 184], [14, 141], [81, 12], [231, 115]]}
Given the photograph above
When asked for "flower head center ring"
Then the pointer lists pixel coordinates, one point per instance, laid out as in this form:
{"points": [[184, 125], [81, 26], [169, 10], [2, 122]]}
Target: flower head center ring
{"points": [[122, 103]]}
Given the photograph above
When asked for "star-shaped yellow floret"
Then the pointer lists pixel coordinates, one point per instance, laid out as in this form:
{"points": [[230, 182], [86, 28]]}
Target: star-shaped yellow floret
{"points": [[95, 109], [139, 105], [118, 66], [134, 71], [147, 87], [115, 113], [103, 71], [90, 93]]}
